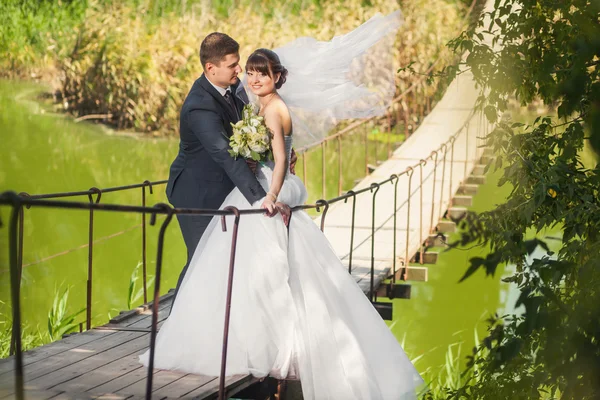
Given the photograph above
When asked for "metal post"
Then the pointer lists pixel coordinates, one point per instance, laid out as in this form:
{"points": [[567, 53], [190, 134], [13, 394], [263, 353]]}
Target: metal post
{"points": [[144, 239], [21, 236], [422, 163], [410, 172], [452, 140], [228, 299], [440, 214], [21, 228], [159, 257], [351, 228], [435, 164], [372, 291], [90, 277], [394, 232], [15, 291]]}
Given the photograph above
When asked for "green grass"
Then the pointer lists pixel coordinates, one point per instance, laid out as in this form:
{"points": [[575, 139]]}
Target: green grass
{"points": [[59, 323]]}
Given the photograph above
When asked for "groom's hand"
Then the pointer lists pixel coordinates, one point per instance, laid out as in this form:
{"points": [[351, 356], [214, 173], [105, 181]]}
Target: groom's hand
{"points": [[252, 164], [293, 159], [285, 211]]}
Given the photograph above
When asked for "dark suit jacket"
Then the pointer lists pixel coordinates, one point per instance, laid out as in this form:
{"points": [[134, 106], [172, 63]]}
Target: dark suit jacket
{"points": [[204, 173]]}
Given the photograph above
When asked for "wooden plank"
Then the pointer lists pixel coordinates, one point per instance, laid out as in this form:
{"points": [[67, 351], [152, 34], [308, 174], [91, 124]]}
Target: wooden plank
{"points": [[476, 180], [234, 384], [429, 257], [65, 371], [8, 393], [161, 378], [107, 372], [130, 317], [68, 344], [183, 386], [416, 274], [142, 309], [71, 396], [463, 201], [456, 213], [77, 354], [144, 398], [45, 351], [121, 381], [470, 189], [437, 240], [445, 226], [40, 395], [479, 169]]}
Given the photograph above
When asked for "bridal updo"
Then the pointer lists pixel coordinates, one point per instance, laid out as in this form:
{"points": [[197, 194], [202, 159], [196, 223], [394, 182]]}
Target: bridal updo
{"points": [[267, 62]]}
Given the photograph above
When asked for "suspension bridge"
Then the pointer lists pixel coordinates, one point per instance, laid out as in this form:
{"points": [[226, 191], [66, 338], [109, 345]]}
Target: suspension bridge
{"points": [[381, 230]]}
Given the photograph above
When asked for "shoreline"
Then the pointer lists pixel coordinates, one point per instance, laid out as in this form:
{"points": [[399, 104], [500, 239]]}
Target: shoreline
{"points": [[38, 101]]}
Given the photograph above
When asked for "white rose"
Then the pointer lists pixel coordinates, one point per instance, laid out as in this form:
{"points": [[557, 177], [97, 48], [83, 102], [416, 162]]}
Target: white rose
{"points": [[258, 147]]}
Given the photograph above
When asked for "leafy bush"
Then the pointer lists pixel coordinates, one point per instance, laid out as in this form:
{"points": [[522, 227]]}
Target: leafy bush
{"points": [[549, 51], [131, 63]]}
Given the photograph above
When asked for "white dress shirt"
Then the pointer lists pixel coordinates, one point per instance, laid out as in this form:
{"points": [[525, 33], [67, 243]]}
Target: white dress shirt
{"points": [[221, 90]]}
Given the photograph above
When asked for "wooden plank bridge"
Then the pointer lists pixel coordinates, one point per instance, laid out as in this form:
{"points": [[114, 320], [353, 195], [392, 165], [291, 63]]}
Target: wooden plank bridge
{"points": [[102, 363], [434, 173]]}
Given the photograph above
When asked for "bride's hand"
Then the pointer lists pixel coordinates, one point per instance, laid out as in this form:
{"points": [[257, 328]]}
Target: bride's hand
{"points": [[268, 205]]}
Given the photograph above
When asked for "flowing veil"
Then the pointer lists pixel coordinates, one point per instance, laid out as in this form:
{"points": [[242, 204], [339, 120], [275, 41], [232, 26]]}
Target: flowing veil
{"points": [[350, 76]]}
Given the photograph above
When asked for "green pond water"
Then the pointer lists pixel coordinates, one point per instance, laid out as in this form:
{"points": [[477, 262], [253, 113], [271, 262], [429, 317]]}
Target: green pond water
{"points": [[44, 153]]}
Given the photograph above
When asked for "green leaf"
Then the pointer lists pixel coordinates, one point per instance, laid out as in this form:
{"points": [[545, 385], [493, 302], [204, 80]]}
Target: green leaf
{"points": [[490, 113]]}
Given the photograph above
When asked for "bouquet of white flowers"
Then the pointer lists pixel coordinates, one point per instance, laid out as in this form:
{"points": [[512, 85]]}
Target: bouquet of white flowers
{"points": [[251, 138]]}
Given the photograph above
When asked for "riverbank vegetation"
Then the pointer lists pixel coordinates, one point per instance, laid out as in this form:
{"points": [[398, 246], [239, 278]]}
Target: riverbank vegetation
{"points": [[130, 63], [549, 51]]}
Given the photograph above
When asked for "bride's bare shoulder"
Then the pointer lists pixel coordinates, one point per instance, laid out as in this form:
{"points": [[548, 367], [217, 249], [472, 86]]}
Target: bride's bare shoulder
{"points": [[284, 115], [278, 111]]}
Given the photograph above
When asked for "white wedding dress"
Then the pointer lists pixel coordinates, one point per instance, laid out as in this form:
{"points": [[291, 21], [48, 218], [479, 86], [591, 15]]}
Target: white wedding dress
{"points": [[295, 310]]}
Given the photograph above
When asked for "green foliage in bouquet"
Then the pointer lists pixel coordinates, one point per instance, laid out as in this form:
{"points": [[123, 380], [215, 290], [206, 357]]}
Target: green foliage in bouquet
{"points": [[251, 138]]}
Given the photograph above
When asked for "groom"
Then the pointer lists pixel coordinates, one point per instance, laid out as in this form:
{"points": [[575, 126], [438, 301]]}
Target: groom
{"points": [[204, 173]]}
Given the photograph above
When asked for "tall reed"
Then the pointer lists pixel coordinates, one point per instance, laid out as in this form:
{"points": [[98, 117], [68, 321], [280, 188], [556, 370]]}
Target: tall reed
{"points": [[130, 63]]}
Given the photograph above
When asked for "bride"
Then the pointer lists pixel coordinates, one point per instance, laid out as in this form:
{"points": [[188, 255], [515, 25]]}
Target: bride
{"points": [[295, 310]]}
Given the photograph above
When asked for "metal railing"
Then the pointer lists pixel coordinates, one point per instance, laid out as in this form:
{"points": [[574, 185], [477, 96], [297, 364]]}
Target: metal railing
{"points": [[19, 202], [408, 110], [94, 191], [404, 112]]}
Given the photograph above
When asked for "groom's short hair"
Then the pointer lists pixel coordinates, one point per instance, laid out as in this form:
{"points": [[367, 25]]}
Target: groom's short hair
{"points": [[215, 47]]}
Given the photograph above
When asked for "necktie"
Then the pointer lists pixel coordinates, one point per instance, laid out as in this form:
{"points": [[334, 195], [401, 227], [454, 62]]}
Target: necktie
{"points": [[229, 99]]}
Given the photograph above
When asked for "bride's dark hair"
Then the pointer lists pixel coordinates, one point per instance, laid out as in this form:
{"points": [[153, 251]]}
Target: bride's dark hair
{"points": [[267, 62]]}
